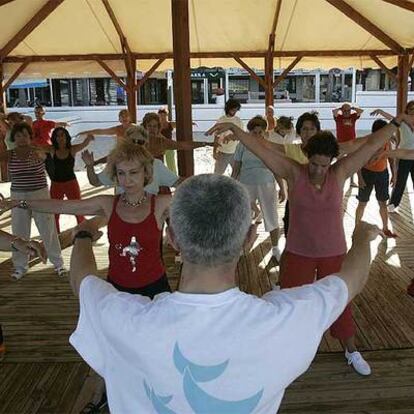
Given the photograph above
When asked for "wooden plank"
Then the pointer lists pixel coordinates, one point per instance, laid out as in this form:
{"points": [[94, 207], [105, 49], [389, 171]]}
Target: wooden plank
{"points": [[390, 73], [149, 72], [402, 85], [34, 22], [366, 24], [404, 4], [113, 75], [276, 16], [286, 71], [251, 72]]}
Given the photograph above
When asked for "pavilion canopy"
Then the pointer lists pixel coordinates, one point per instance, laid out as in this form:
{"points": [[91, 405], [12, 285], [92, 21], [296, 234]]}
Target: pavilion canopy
{"points": [[319, 30]]}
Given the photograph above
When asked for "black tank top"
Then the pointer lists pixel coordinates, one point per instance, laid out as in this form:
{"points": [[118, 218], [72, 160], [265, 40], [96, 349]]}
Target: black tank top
{"points": [[63, 170]]}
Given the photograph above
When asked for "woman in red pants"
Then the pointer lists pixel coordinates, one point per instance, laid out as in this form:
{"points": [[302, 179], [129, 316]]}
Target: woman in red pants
{"points": [[315, 244], [64, 182]]}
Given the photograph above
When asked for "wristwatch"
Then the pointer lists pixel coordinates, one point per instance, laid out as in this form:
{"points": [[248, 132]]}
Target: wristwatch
{"points": [[23, 204], [395, 122], [83, 234]]}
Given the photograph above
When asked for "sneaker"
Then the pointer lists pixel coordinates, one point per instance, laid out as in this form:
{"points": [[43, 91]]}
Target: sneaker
{"points": [[391, 208], [358, 363], [61, 271], [18, 274]]}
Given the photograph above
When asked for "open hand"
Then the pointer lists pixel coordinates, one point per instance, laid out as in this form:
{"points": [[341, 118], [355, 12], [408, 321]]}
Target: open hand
{"points": [[32, 248], [88, 158], [366, 232]]}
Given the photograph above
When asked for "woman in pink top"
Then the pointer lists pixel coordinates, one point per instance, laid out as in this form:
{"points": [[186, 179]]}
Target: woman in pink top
{"points": [[316, 244]]}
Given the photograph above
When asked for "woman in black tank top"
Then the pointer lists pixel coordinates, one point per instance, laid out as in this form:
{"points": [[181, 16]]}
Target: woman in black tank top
{"points": [[62, 174]]}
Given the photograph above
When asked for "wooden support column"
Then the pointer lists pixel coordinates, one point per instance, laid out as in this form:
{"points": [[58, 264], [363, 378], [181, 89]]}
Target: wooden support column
{"points": [[131, 89], [3, 164], [2, 89], [402, 82], [269, 98], [182, 82]]}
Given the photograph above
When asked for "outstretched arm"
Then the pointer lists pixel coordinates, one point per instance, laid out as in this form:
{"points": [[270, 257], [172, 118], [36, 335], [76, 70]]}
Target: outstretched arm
{"points": [[273, 158], [402, 154], [101, 131], [79, 147], [382, 113], [352, 163], [355, 268]]}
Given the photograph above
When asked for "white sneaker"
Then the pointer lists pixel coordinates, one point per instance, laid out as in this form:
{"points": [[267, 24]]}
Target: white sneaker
{"points": [[358, 363], [18, 274], [391, 208], [61, 271]]}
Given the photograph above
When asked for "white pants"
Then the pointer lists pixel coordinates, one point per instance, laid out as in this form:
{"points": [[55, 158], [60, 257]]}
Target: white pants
{"points": [[267, 196], [222, 161], [45, 223]]}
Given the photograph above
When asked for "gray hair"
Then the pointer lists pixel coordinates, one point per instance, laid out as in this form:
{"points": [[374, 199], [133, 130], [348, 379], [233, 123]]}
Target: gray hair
{"points": [[210, 216]]}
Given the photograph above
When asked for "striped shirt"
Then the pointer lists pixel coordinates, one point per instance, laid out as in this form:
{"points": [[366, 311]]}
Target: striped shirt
{"points": [[26, 174]]}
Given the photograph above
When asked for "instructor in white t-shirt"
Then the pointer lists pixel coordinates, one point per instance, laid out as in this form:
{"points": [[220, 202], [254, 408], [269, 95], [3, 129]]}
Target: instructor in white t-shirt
{"points": [[223, 152], [208, 347]]}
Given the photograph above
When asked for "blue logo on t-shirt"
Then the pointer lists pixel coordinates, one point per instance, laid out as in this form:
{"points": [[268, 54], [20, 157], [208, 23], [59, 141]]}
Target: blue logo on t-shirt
{"points": [[200, 401]]}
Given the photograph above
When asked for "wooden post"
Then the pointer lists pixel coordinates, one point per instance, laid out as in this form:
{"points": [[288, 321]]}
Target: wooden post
{"points": [[402, 82], [3, 164], [131, 90], [269, 99], [182, 82], [2, 89]]}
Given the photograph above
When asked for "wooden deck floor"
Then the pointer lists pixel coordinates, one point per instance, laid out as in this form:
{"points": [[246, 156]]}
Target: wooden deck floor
{"points": [[43, 374]]}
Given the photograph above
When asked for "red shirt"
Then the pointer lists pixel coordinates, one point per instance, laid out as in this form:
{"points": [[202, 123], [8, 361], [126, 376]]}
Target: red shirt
{"points": [[345, 127], [134, 250], [42, 130]]}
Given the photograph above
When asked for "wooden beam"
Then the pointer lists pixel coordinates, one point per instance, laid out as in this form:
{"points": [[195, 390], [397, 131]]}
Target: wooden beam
{"points": [[402, 83], [269, 96], [195, 55], [113, 75], [148, 73], [35, 21], [366, 24], [276, 16], [411, 61], [2, 90], [286, 71], [390, 73], [404, 4], [250, 71], [20, 69], [131, 92], [182, 82], [3, 2]]}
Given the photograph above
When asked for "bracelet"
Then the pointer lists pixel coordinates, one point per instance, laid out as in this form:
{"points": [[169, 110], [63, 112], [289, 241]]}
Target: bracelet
{"points": [[395, 122], [23, 204], [83, 234]]}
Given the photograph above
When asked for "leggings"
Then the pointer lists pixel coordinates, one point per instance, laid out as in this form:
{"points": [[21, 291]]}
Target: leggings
{"points": [[70, 189], [299, 270]]}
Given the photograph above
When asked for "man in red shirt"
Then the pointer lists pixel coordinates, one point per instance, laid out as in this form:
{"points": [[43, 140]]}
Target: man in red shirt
{"points": [[345, 118], [43, 128]]}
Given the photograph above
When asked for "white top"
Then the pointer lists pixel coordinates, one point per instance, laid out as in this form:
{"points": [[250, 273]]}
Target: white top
{"points": [[161, 176], [203, 353], [406, 137], [230, 147], [289, 138]]}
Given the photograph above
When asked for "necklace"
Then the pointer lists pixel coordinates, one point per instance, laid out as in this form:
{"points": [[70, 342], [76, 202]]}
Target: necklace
{"points": [[133, 204]]}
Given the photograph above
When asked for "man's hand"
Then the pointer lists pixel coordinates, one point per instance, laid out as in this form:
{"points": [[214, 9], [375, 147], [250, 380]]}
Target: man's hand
{"points": [[31, 247], [220, 128], [88, 158], [393, 180], [365, 232]]}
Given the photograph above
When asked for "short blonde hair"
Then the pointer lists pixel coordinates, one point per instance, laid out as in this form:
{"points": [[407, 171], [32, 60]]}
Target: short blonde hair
{"points": [[128, 151]]}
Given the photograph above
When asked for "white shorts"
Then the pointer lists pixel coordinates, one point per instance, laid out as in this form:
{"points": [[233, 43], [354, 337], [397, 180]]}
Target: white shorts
{"points": [[267, 196]]}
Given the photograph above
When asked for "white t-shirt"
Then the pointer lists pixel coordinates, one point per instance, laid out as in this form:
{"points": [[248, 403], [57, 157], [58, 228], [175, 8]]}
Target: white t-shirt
{"points": [[289, 138], [406, 137], [161, 176], [229, 147], [203, 353]]}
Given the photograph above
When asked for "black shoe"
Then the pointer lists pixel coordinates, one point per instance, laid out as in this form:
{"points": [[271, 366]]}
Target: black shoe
{"points": [[96, 408]]}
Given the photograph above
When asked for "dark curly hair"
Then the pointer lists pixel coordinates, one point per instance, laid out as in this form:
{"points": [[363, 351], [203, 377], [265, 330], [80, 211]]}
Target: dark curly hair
{"points": [[151, 116], [67, 136], [322, 143], [232, 104], [285, 122], [308, 116], [257, 121], [20, 127]]}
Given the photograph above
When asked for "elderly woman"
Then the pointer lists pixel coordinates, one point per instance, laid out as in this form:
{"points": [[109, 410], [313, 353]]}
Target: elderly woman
{"points": [[315, 245], [134, 218], [28, 181], [259, 182]]}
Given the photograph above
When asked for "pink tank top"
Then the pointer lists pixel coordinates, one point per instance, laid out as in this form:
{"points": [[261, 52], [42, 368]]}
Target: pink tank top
{"points": [[316, 218]]}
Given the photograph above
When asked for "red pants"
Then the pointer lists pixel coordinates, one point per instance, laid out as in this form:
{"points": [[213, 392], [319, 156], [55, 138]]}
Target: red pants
{"points": [[71, 190], [296, 270]]}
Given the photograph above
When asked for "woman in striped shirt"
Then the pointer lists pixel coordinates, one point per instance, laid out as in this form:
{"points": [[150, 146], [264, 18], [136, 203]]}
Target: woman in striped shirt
{"points": [[28, 182]]}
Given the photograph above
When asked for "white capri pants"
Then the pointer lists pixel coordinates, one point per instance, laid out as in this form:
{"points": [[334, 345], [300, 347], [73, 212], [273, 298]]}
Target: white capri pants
{"points": [[267, 196], [45, 223]]}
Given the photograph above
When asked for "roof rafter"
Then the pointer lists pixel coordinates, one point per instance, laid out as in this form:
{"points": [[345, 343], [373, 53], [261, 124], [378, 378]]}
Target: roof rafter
{"points": [[3, 2], [250, 71], [276, 16], [38, 18], [149, 72], [15, 75], [286, 71], [384, 67], [404, 4], [113, 75], [367, 25]]}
